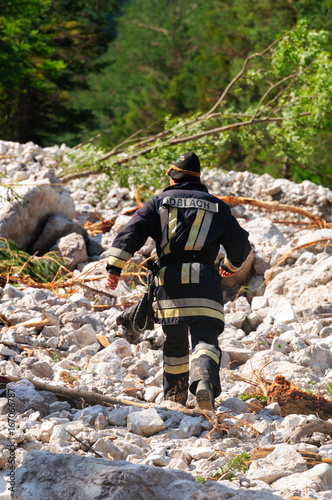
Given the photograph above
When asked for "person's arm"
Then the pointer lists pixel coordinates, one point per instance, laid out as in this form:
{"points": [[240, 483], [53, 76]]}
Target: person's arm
{"points": [[130, 239], [236, 243]]}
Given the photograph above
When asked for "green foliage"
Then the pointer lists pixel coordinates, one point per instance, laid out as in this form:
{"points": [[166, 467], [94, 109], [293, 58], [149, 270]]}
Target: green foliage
{"points": [[236, 464], [56, 357], [247, 395], [329, 389], [25, 268], [291, 108], [8, 192], [69, 70]]}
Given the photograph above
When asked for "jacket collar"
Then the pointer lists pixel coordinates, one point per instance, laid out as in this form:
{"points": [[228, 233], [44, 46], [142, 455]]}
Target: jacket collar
{"points": [[187, 186]]}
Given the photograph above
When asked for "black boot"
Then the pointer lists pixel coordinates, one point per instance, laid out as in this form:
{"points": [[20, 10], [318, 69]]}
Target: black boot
{"points": [[178, 391], [204, 395]]}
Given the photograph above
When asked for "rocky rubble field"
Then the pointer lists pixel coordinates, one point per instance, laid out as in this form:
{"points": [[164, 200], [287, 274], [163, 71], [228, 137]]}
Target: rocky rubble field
{"points": [[71, 450]]}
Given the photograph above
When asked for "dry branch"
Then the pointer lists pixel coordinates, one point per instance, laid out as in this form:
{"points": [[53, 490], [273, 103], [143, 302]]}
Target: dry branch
{"points": [[104, 226], [31, 323], [92, 398], [274, 206], [323, 241], [88, 447], [309, 428], [311, 458]]}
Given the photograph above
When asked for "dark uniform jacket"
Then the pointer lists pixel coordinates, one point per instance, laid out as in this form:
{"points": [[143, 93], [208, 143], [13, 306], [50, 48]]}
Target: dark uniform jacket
{"points": [[188, 225]]}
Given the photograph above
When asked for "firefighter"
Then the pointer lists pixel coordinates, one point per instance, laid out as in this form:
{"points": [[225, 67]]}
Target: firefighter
{"points": [[188, 225]]}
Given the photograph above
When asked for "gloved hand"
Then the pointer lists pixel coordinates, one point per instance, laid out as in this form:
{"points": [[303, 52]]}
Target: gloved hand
{"points": [[224, 272], [112, 281]]}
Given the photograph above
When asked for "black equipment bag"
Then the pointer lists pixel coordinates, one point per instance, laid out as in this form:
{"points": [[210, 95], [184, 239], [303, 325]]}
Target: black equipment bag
{"points": [[140, 316]]}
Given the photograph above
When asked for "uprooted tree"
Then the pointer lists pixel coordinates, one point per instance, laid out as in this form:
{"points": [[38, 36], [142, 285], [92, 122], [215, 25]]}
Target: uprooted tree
{"points": [[291, 78]]}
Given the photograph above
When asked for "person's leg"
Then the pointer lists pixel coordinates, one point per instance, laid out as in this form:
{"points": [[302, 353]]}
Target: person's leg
{"points": [[205, 359], [176, 363]]}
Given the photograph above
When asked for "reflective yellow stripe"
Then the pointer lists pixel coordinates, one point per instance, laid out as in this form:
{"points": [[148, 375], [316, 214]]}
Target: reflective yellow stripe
{"points": [[163, 212], [113, 261], [185, 273], [172, 223], [230, 266], [205, 227], [176, 369], [161, 276], [194, 230], [205, 352], [189, 311]]}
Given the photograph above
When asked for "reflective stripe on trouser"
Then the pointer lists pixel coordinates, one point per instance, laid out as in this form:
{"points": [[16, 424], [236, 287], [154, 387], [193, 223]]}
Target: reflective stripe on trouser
{"points": [[176, 363], [206, 354], [205, 359]]}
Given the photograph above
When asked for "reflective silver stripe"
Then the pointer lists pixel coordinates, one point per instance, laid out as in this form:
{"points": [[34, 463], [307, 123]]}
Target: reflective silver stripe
{"points": [[194, 230], [190, 312], [190, 302], [172, 223], [191, 203], [230, 266], [203, 231], [163, 212], [204, 345], [195, 271], [117, 252], [171, 361], [185, 273]]}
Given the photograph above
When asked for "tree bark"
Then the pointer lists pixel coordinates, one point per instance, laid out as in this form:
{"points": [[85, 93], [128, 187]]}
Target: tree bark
{"points": [[293, 401], [93, 398]]}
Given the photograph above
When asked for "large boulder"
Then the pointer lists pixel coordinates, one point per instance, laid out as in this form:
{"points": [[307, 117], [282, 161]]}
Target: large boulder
{"points": [[56, 227], [72, 249], [22, 220], [72, 477]]}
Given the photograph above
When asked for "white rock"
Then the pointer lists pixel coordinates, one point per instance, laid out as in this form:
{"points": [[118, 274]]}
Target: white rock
{"points": [[200, 452], [108, 449], [283, 461], [282, 310], [190, 426], [82, 337], [145, 422], [263, 234], [319, 478]]}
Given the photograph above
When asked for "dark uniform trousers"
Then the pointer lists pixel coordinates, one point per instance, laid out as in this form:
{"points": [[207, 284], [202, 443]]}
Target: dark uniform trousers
{"points": [[179, 375]]}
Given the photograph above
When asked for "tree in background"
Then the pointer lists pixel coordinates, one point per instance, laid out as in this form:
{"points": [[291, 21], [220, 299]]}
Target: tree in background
{"points": [[175, 57], [73, 70], [292, 80], [47, 49]]}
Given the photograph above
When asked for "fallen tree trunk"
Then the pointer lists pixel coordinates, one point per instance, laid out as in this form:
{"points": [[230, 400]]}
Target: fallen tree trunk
{"points": [[293, 401], [93, 398]]}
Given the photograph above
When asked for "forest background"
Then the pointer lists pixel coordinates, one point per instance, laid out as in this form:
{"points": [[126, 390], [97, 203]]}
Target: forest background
{"points": [[149, 79]]}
